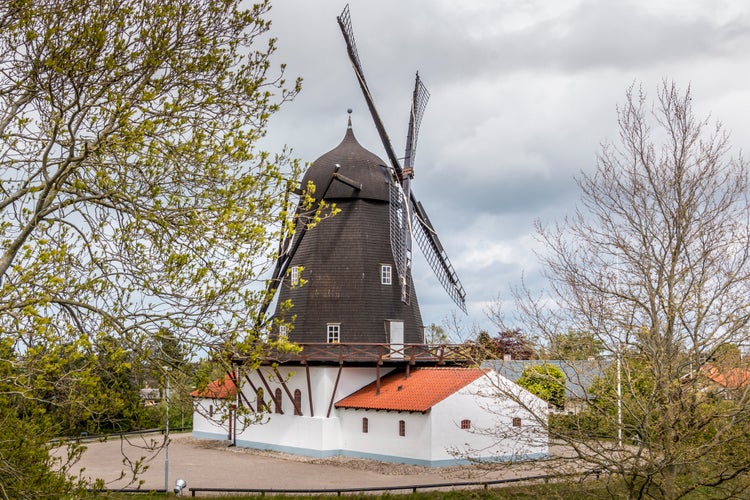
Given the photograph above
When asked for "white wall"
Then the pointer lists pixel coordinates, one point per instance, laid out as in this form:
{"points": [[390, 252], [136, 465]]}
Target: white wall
{"points": [[207, 427], [310, 435], [382, 441], [490, 403], [433, 438]]}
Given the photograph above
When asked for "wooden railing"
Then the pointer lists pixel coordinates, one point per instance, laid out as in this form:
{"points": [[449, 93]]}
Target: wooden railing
{"points": [[439, 354]]}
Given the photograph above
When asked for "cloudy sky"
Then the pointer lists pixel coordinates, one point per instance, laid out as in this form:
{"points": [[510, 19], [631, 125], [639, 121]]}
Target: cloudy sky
{"points": [[523, 92]]}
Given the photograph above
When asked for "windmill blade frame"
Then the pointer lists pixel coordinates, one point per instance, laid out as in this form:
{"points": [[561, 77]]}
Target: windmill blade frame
{"points": [[409, 213], [345, 23], [419, 100], [433, 251]]}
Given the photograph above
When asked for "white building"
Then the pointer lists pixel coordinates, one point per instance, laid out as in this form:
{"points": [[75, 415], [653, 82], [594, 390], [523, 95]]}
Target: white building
{"points": [[430, 415]]}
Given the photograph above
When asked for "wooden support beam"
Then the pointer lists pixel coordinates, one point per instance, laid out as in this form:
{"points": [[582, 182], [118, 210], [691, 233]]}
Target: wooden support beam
{"points": [[255, 391], [309, 390], [268, 388], [335, 388]]}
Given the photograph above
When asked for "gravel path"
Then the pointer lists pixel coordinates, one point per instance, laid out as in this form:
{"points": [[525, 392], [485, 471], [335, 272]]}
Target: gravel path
{"points": [[204, 463]]}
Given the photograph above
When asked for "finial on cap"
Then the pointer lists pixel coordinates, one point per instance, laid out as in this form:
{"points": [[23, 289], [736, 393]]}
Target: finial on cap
{"points": [[349, 110]]}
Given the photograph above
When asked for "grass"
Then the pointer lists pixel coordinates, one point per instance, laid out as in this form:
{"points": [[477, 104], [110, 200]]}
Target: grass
{"points": [[563, 491]]}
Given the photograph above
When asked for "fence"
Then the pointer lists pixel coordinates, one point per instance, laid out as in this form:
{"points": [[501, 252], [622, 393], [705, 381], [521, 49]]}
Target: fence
{"points": [[373, 489]]}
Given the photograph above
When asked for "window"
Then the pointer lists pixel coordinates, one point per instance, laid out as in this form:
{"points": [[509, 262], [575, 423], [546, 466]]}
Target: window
{"points": [[277, 401], [365, 425], [282, 331], [210, 411], [386, 275], [297, 402], [334, 333], [466, 424], [294, 275], [516, 421], [401, 428]]}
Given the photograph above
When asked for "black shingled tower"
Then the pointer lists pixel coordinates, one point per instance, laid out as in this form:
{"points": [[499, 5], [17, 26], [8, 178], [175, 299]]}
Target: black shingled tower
{"points": [[340, 260]]}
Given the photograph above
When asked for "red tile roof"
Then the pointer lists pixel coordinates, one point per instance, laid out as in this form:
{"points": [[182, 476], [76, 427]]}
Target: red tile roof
{"points": [[734, 378], [222, 388], [424, 388]]}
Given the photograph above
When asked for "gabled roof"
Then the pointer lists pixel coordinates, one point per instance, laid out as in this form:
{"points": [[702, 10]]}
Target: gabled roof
{"points": [[733, 378], [222, 388], [424, 388], [579, 374]]}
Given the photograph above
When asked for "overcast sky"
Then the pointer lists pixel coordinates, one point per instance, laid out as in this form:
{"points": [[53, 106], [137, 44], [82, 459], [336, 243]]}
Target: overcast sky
{"points": [[523, 92]]}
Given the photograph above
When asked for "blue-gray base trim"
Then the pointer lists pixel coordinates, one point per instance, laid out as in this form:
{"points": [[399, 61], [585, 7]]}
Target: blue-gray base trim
{"points": [[214, 436], [308, 452]]}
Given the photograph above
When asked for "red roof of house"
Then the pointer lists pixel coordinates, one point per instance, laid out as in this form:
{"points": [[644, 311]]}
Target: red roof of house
{"points": [[424, 388], [222, 388], [734, 378]]}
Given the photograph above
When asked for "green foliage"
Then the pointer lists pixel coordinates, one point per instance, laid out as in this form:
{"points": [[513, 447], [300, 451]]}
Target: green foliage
{"points": [[137, 213], [575, 345], [435, 334], [546, 381], [27, 470]]}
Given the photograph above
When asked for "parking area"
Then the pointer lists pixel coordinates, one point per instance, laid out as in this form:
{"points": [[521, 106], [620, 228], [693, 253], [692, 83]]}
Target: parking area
{"points": [[212, 464]]}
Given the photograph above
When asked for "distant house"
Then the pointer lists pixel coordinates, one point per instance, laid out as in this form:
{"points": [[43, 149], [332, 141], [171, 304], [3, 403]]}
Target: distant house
{"points": [[150, 396], [726, 382], [432, 416], [579, 376], [212, 408]]}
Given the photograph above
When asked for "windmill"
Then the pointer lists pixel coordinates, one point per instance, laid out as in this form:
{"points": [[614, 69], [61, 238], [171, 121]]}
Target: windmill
{"points": [[346, 260], [408, 216]]}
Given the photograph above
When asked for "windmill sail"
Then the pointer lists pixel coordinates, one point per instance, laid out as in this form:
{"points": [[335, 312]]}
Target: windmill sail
{"points": [[407, 215], [429, 243], [419, 99], [345, 23]]}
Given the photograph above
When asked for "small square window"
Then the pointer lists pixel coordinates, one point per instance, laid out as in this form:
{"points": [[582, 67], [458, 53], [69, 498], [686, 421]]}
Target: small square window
{"points": [[516, 421], [334, 333], [466, 424], [386, 274], [401, 428]]}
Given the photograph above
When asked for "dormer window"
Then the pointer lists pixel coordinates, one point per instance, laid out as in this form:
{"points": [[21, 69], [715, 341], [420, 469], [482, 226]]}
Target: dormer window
{"points": [[386, 274]]}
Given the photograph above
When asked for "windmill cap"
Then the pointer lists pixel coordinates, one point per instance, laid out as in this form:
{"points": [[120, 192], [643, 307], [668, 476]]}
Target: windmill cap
{"points": [[351, 162]]}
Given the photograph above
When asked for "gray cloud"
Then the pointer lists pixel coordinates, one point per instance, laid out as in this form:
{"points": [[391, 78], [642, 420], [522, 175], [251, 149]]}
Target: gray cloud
{"points": [[522, 94]]}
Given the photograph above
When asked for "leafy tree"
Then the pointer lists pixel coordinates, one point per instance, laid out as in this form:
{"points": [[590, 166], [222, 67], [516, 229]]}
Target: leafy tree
{"points": [[655, 263], [512, 342], [435, 334], [515, 343], [546, 381], [487, 346], [574, 345], [134, 202]]}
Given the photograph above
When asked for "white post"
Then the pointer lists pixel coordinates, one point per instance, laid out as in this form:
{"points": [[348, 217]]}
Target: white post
{"points": [[619, 399], [166, 439]]}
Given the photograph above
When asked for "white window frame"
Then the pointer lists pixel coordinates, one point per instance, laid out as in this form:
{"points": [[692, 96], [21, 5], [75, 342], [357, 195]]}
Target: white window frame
{"points": [[282, 331], [333, 333], [386, 274], [294, 275]]}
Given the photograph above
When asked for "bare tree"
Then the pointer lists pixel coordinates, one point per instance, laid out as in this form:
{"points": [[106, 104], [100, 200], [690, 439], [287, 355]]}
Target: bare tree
{"points": [[655, 264]]}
